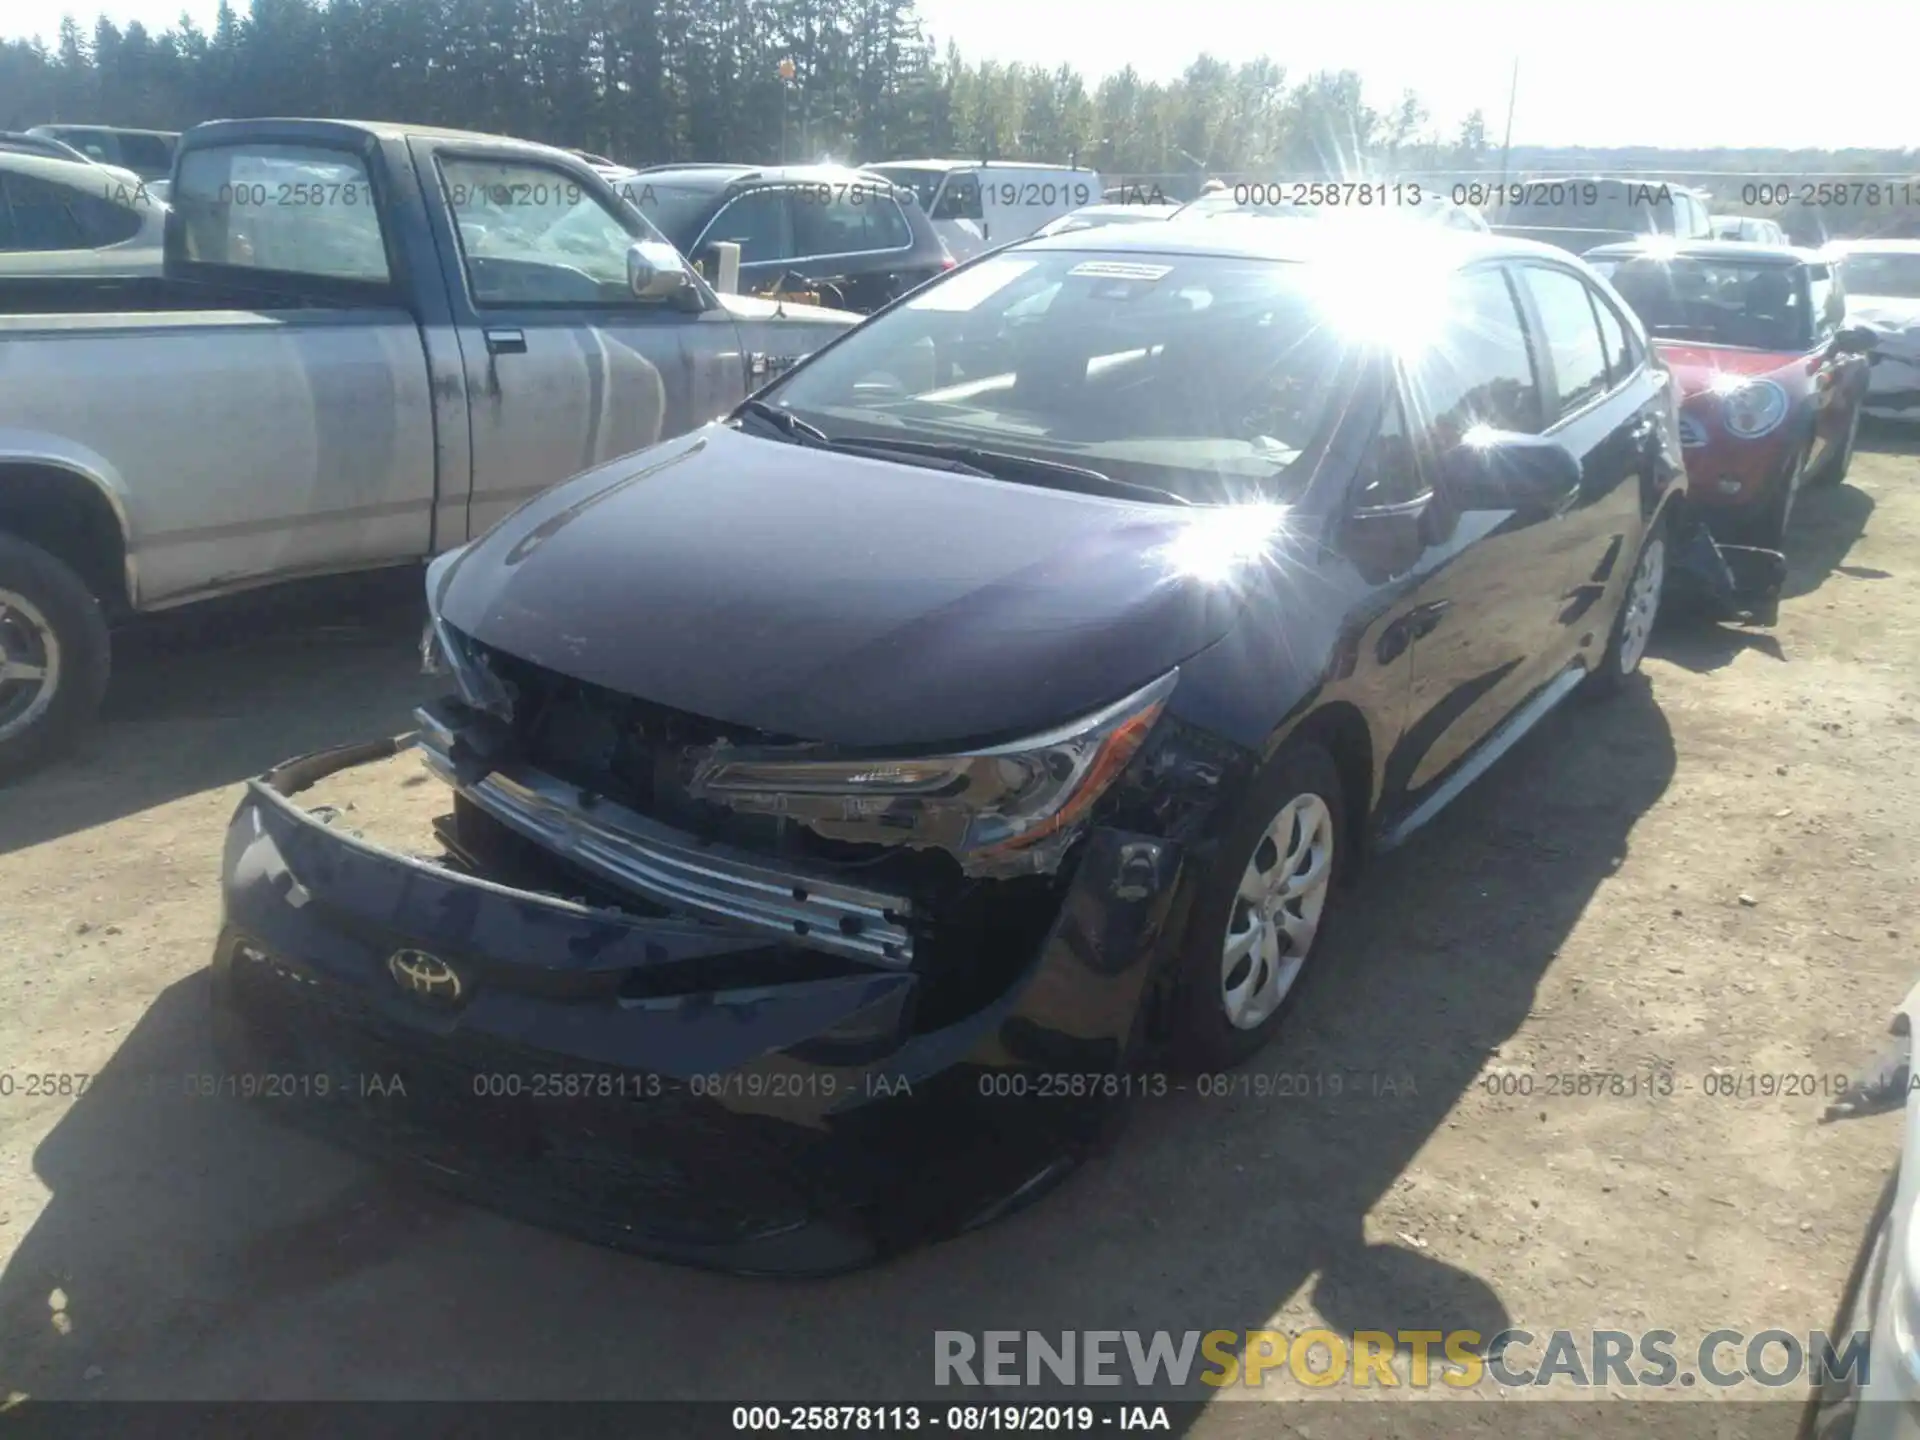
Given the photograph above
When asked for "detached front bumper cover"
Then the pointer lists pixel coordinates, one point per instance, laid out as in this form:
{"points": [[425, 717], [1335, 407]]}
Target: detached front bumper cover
{"points": [[596, 1070]]}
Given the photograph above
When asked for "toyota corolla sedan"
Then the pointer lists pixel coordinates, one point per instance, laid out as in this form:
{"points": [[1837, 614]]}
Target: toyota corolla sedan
{"points": [[854, 803], [1771, 379]]}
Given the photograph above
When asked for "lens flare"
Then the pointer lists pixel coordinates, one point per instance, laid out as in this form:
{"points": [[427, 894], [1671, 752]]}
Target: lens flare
{"points": [[1221, 542]]}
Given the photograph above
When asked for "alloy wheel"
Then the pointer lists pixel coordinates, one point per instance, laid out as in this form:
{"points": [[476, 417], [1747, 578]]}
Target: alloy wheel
{"points": [[1276, 911], [1643, 604], [29, 664]]}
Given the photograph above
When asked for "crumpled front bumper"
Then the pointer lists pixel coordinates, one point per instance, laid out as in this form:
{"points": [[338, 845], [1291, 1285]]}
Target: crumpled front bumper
{"points": [[583, 1077]]}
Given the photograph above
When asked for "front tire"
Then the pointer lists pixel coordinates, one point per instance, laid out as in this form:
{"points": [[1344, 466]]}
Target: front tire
{"points": [[53, 656], [1834, 469], [1261, 911]]}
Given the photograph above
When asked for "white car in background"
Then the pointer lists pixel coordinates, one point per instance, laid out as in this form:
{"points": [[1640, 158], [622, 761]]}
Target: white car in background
{"points": [[1749, 230], [1090, 216], [977, 204], [1882, 282], [75, 217]]}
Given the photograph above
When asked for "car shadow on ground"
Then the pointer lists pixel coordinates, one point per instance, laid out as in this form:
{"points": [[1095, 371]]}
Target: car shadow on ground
{"points": [[214, 694], [190, 1248]]}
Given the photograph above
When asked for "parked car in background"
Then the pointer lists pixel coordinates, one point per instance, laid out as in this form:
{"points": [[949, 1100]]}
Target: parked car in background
{"points": [[976, 204], [1749, 229], [368, 343], [72, 218], [1771, 381], [852, 237], [147, 153], [1882, 279], [1004, 689], [1580, 214], [1091, 216], [25, 142], [1297, 201]]}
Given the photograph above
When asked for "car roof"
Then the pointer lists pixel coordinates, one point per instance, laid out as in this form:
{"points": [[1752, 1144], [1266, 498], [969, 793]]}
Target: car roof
{"points": [[1889, 247], [54, 126], [1706, 250], [1252, 237], [83, 174], [982, 165], [721, 176]]}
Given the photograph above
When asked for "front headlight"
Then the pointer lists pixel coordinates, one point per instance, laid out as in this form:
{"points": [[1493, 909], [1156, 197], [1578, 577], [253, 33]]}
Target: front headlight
{"points": [[1754, 409], [993, 807]]}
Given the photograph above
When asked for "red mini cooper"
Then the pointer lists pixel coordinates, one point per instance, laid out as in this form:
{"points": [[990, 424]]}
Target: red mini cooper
{"points": [[1770, 382]]}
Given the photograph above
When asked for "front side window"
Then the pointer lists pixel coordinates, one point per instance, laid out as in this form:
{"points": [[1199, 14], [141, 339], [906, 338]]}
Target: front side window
{"points": [[1572, 334], [1390, 470], [1623, 350], [293, 209], [534, 235], [1480, 373], [1207, 376], [1756, 306], [41, 215], [959, 199], [759, 222]]}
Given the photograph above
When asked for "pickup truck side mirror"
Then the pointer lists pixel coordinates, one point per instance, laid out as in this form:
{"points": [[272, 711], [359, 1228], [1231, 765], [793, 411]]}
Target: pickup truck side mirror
{"points": [[1528, 474], [656, 271], [1855, 340]]}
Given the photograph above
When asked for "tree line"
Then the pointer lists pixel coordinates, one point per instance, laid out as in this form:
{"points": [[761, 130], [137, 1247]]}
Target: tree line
{"points": [[649, 81]]}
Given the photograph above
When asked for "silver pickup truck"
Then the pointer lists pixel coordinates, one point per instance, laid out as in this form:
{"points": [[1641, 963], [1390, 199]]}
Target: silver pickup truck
{"points": [[369, 342]]}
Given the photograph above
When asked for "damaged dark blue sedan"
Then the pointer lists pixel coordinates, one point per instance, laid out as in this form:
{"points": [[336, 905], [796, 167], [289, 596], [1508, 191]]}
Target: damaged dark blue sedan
{"points": [[852, 804]]}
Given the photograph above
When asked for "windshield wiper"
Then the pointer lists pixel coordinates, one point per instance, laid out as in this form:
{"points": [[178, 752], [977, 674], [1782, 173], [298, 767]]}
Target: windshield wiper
{"points": [[1005, 465], [789, 424]]}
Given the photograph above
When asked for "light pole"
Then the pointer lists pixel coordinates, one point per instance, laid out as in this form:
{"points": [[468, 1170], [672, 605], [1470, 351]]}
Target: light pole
{"points": [[787, 70]]}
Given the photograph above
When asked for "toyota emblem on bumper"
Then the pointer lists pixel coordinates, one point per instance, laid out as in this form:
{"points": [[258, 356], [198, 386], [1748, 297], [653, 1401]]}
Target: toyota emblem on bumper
{"points": [[426, 977]]}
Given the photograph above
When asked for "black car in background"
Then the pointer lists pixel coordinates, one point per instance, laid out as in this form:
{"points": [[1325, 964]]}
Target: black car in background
{"points": [[848, 798], [855, 239], [1577, 214]]}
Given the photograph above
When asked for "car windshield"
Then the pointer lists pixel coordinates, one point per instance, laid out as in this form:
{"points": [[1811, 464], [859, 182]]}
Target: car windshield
{"points": [[676, 211], [1716, 302], [1208, 377], [1890, 273]]}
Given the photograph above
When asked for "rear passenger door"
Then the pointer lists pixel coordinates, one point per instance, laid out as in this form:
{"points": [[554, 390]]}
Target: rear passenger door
{"points": [[565, 367], [1486, 576], [853, 238], [1600, 407]]}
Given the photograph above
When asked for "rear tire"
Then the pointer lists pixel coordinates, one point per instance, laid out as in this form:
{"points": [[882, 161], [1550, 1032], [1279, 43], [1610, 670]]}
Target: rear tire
{"points": [[54, 656], [1261, 911], [1633, 623]]}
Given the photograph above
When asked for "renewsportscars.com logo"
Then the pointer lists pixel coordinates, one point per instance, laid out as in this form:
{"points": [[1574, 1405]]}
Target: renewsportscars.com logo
{"points": [[1417, 1359]]}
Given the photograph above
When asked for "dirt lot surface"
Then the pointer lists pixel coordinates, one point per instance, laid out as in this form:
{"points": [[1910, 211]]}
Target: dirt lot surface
{"points": [[1712, 874]]}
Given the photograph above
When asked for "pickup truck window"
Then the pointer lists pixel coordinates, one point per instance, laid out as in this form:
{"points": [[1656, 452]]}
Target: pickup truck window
{"points": [[532, 235], [38, 214], [292, 209]]}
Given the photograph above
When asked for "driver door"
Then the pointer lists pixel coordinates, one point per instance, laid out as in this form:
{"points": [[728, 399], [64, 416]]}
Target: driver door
{"points": [[565, 368]]}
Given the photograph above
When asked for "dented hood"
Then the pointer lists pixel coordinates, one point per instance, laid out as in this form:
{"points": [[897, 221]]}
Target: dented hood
{"points": [[837, 598]]}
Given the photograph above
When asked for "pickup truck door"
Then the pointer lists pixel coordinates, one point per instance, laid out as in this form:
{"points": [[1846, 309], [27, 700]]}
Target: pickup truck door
{"points": [[565, 367]]}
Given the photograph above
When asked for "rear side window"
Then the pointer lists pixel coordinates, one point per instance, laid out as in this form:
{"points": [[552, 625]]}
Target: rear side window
{"points": [[1480, 372], [42, 215], [148, 156], [1572, 336], [959, 199], [846, 220], [292, 209], [1623, 351]]}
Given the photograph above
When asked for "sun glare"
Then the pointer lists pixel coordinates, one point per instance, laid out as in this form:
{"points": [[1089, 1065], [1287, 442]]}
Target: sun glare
{"points": [[1219, 543]]}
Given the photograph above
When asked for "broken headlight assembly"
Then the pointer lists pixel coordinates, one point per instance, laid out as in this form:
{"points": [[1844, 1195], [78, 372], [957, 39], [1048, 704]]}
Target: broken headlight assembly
{"points": [[1002, 810]]}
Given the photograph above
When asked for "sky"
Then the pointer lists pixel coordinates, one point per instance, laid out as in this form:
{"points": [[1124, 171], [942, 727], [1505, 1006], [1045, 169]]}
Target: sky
{"points": [[1680, 73]]}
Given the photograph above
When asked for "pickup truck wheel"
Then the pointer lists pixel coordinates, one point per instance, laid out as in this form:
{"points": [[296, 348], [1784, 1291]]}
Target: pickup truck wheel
{"points": [[53, 656]]}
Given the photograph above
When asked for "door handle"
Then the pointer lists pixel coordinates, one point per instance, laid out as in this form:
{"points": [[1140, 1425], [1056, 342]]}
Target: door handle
{"points": [[503, 341]]}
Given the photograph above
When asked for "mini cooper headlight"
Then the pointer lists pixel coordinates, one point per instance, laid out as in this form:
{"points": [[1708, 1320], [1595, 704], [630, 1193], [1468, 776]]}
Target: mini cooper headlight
{"points": [[1005, 798], [1754, 409]]}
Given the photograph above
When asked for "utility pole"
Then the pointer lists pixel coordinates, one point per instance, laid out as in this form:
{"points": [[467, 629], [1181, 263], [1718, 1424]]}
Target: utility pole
{"points": [[786, 69], [1506, 142]]}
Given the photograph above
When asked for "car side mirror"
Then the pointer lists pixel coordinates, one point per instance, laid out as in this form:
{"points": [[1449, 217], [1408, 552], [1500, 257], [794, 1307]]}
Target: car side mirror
{"points": [[656, 272], [1528, 474], [1855, 340]]}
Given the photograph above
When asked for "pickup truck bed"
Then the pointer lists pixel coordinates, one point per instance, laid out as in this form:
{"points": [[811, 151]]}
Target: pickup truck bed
{"points": [[369, 343]]}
